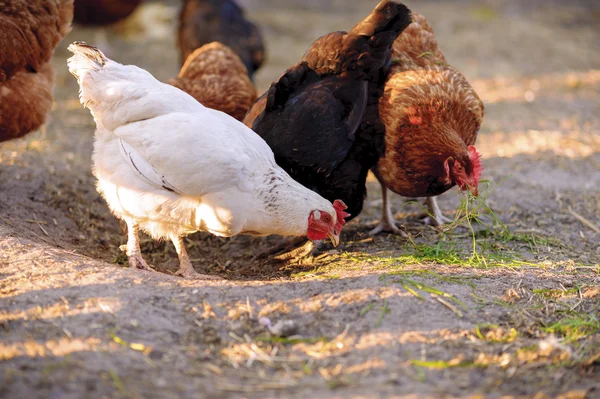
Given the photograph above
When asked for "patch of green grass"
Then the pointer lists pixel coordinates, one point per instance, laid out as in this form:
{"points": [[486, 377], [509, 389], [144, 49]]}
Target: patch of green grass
{"points": [[554, 293], [484, 13], [442, 253], [414, 287], [116, 380], [575, 327], [306, 273], [366, 309], [440, 364], [464, 280], [51, 367], [494, 334], [291, 340], [384, 310], [484, 302]]}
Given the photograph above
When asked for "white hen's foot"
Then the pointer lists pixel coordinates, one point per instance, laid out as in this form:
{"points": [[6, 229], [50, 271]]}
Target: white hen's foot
{"points": [[137, 262], [186, 269], [132, 249]]}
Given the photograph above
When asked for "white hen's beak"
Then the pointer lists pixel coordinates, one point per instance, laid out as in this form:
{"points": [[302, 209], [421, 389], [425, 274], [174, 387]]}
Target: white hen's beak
{"points": [[335, 239]]}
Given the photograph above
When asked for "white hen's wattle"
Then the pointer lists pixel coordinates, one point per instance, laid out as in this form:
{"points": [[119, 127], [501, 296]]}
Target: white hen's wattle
{"points": [[170, 166]]}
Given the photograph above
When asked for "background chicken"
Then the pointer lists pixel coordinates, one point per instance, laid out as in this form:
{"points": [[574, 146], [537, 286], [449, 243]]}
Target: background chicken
{"points": [[321, 117], [205, 21], [29, 32], [209, 173], [431, 116], [101, 14], [215, 76]]}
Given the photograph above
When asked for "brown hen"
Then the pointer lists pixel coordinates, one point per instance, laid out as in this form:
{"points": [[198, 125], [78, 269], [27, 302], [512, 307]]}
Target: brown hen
{"points": [[216, 77], [103, 12], [29, 32], [223, 21], [431, 116]]}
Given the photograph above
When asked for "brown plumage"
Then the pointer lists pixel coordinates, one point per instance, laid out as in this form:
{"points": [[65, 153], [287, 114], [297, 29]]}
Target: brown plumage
{"points": [[29, 32], [103, 12], [216, 77], [431, 116], [223, 21]]}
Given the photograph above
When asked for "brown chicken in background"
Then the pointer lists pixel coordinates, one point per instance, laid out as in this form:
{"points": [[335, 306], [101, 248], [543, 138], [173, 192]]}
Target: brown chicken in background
{"points": [[103, 12], [29, 32], [216, 77], [205, 21], [431, 116]]}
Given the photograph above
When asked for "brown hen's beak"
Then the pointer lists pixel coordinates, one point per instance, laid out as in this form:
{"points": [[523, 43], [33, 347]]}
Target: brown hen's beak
{"points": [[335, 238], [474, 191]]}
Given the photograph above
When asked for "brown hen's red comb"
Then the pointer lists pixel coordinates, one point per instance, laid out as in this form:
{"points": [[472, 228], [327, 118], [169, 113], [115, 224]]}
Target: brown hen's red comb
{"points": [[475, 158], [339, 207]]}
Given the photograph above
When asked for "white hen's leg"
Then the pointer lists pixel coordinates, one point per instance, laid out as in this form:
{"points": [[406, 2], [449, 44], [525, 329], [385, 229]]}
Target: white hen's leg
{"points": [[134, 253], [185, 264], [387, 219], [438, 217]]}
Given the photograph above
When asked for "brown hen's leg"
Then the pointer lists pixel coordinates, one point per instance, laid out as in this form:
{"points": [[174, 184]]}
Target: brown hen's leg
{"points": [[438, 218], [185, 264], [386, 223], [132, 249]]}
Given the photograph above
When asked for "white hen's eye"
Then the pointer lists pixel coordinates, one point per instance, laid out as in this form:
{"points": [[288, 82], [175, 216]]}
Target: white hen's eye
{"points": [[327, 218]]}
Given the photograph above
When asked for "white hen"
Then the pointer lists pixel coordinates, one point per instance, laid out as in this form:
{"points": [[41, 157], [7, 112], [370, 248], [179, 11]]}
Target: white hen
{"points": [[170, 166]]}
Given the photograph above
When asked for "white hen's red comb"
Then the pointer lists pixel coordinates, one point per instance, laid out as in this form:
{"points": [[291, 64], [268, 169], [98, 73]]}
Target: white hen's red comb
{"points": [[340, 207]]}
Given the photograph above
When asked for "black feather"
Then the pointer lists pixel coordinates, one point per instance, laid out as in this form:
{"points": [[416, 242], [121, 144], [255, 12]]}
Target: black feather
{"points": [[321, 117]]}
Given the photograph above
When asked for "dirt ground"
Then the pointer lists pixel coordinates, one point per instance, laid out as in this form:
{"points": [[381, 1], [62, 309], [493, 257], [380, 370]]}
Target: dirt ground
{"points": [[501, 307]]}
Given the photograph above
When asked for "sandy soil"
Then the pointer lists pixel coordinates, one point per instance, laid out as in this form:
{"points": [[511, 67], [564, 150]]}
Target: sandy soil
{"points": [[461, 313]]}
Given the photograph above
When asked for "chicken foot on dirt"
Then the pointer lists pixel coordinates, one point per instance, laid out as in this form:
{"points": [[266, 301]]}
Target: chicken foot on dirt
{"points": [[387, 222], [186, 269], [132, 248], [434, 210]]}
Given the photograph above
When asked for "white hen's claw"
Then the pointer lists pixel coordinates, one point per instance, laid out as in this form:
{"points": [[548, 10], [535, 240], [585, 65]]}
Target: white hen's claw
{"points": [[137, 262]]}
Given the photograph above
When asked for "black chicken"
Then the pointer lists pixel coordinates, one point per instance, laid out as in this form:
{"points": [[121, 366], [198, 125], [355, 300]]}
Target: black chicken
{"points": [[321, 118], [205, 21]]}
